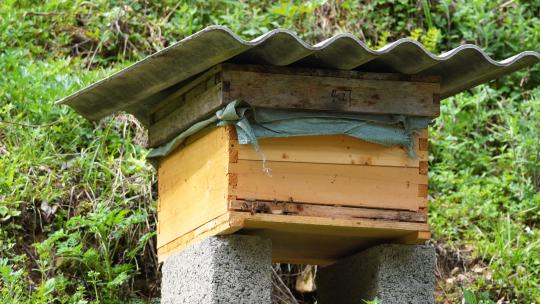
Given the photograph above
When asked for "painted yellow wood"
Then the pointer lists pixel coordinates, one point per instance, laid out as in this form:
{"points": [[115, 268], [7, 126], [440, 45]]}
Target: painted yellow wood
{"points": [[223, 224], [302, 239], [193, 185], [329, 149], [329, 184], [316, 207]]}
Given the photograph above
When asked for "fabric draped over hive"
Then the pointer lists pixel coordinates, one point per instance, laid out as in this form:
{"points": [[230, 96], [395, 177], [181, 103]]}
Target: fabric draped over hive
{"points": [[253, 124]]}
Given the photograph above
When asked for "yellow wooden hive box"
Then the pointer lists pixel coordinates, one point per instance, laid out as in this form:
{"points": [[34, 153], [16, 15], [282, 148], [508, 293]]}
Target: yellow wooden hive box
{"points": [[318, 198]]}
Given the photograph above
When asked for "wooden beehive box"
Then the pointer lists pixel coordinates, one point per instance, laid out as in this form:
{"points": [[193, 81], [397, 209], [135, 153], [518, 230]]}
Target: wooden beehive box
{"points": [[326, 197]]}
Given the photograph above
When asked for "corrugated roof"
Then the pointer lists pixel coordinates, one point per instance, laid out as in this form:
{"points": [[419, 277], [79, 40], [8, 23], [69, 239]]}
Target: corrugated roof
{"points": [[135, 88]]}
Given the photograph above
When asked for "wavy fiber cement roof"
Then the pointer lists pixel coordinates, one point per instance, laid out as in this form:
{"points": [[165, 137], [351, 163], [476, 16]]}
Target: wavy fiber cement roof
{"points": [[134, 88]]}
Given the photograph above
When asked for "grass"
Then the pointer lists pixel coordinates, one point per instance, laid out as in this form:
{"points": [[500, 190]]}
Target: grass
{"points": [[76, 205], [485, 182], [77, 199]]}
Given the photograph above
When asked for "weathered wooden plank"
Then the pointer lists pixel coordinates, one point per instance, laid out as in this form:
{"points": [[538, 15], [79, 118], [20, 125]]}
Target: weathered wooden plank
{"points": [[329, 149], [302, 71], [344, 94], [291, 88], [171, 98], [195, 105], [330, 211], [193, 185], [190, 90], [330, 184]]}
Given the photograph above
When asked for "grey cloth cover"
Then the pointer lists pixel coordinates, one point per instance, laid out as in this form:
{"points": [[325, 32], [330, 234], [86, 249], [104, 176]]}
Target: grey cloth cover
{"points": [[254, 123]]}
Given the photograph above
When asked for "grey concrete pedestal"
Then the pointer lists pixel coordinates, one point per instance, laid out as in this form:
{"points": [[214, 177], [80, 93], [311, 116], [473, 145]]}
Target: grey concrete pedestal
{"points": [[233, 269], [394, 274]]}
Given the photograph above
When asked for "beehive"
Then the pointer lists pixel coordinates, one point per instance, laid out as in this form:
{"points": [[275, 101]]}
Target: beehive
{"points": [[325, 197], [319, 198]]}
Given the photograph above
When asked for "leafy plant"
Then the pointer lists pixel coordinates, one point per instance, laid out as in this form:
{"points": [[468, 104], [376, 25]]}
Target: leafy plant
{"points": [[480, 298]]}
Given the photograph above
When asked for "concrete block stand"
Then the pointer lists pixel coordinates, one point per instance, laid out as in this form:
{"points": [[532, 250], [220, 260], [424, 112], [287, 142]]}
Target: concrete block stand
{"points": [[223, 269], [394, 274]]}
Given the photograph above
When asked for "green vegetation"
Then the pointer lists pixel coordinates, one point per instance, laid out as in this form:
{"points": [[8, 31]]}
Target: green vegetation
{"points": [[77, 200], [471, 298], [374, 301]]}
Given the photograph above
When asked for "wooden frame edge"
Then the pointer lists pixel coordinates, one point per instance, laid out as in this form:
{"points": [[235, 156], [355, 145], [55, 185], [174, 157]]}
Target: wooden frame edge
{"points": [[221, 225]]}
